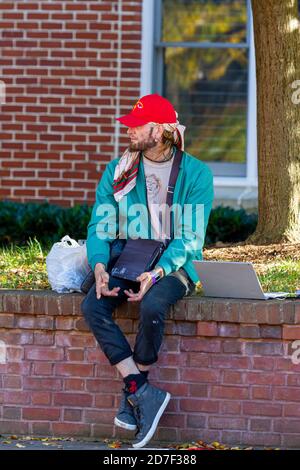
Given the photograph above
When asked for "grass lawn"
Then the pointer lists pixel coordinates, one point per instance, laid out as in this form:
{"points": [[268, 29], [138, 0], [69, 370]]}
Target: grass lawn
{"points": [[277, 266]]}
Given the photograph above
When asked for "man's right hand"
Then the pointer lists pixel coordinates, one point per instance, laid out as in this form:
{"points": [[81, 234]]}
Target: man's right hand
{"points": [[102, 279]]}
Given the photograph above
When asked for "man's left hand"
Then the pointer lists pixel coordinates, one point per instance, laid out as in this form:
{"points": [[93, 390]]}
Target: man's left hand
{"points": [[146, 283]]}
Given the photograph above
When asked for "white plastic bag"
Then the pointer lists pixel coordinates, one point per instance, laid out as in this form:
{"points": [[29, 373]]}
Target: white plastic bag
{"points": [[67, 265]]}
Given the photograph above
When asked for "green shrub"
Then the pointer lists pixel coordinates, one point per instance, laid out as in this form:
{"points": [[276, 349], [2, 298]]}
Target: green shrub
{"points": [[48, 223], [229, 225]]}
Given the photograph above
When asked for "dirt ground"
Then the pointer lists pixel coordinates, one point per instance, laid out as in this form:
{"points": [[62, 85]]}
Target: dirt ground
{"points": [[259, 255]]}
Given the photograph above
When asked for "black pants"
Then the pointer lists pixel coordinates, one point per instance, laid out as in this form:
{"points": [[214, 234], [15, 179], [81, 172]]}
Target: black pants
{"points": [[153, 309]]}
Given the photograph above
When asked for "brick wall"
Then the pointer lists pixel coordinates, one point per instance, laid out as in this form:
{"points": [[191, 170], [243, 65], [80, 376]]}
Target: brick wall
{"points": [[59, 61], [227, 365]]}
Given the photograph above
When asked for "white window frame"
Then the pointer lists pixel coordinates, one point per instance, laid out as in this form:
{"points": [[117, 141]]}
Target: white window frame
{"points": [[248, 181]]}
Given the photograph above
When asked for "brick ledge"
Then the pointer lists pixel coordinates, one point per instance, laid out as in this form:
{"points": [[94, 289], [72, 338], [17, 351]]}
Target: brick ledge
{"points": [[194, 308]]}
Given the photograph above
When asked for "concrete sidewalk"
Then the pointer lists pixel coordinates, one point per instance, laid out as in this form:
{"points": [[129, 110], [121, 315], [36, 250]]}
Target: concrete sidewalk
{"points": [[59, 443]]}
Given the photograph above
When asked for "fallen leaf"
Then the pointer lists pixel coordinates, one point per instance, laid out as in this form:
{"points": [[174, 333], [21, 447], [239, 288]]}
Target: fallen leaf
{"points": [[115, 445]]}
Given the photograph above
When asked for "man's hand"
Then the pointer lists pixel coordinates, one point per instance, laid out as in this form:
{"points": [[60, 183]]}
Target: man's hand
{"points": [[102, 279], [146, 283]]}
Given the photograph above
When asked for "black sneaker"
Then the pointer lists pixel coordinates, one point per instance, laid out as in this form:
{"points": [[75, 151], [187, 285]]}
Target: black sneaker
{"points": [[148, 403], [125, 418]]}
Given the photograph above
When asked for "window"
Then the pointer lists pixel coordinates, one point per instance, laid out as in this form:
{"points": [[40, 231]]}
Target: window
{"points": [[201, 64]]}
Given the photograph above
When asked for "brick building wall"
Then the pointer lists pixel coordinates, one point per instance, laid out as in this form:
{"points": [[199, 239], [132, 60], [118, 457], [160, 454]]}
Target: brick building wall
{"points": [[226, 363], [69, 67]]}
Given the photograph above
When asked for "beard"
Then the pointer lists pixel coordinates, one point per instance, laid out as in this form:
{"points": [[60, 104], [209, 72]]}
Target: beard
{"points": [[146, 144], [141, 146]]}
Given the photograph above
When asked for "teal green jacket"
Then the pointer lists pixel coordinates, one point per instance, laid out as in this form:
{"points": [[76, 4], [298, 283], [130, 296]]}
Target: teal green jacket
{"points": [[194, 186]]}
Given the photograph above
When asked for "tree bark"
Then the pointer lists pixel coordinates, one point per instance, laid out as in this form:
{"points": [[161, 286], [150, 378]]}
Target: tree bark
{"points": [[277, 45]]}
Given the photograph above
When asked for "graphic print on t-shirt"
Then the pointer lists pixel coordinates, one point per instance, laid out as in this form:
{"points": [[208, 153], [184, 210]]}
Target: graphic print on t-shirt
{"points": [[157, 178]]}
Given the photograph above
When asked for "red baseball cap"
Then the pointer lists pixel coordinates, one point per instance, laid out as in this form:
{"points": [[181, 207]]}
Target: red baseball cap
{"points": [[150, 108]]}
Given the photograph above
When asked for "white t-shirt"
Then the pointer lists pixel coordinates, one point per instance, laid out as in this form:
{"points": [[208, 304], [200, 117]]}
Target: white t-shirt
{"points": [[157, 178]]}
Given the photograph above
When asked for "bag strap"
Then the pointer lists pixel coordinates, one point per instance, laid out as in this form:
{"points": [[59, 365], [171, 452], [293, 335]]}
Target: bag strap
{"points": [[173, 176], [171, 186]]}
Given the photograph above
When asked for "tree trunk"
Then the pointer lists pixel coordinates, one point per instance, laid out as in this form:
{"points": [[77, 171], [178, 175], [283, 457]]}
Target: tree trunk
{"points": [[277, 45]]}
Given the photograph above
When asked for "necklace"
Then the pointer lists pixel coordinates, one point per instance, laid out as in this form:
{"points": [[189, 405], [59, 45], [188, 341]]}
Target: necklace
{"points": [[166, 157]]}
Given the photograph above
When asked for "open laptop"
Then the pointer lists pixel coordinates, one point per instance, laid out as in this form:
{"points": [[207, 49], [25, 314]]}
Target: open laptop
{"points": [[233, 280]]}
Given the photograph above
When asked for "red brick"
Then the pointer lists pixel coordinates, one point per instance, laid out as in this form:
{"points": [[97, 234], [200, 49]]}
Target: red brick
{"points": [[228, 330], [230, 407], [71, 429], [199, 390], [196, 360], [44, 354], [13, 412], [64, 323], [43, 368], [233, 377], [16, 427], [11, 303], [230, 392], [22, 368], [261, 439], [44, 339], [287, 394], [249, 331], [293, 380], [247, 313], [12, 381], [14, 353], [42, 428], [290, 332], [74, 370], [262, 409], [275, 314], [268, 331], [230, 362], [188, 435], [202, 345], [258, 378], [263, 349], [207, 329], [263, 425], [74, 384], [232, 346], [297, 312], [73, 399], [16, 397], [172, 420], [168, 374], [36, 383], [193, 404], [291, 409], [216, 422], [41, 414], [198, 375], [75, 355], [99, 417], [6, 320], [263, 363], [104, 401], [41, 398], [290, 441], [230, 437], [287, 425], [72, 415], [195, 420], [261, 393]]}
